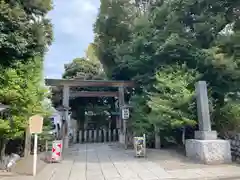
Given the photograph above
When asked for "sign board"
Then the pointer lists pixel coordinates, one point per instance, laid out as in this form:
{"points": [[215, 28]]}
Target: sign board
{"points": [[125, 113], [140, 146], [36, 124]]}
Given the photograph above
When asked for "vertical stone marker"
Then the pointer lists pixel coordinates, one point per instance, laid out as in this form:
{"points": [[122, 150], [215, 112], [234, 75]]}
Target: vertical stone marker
{"points": [[206, 148], [205, 131], [203, 106]]}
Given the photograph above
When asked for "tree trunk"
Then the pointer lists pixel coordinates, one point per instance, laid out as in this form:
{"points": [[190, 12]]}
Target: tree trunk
{"points": [[157, 138], [183, 135], [2, 148]]}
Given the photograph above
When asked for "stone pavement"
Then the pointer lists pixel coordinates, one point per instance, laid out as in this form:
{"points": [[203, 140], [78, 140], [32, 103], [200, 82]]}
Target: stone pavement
{"points": [[105, 162]]}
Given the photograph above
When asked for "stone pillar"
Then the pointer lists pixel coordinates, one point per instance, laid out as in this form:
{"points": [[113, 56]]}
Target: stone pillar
{"points": [[206, 147], [121, 102], [104, 135], [121, 122], [65, 104], [95, 136], [205, 132], [125, 133]]}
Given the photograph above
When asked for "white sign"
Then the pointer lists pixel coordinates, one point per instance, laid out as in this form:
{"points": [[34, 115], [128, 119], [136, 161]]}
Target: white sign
{"points": [[125, 113]]}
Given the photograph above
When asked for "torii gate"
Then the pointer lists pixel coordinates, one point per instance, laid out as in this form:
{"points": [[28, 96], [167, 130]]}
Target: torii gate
{"points": [[67, 83]]}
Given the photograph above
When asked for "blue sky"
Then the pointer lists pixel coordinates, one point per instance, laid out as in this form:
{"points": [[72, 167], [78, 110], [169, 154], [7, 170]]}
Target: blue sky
{"points": [[73, 30]]}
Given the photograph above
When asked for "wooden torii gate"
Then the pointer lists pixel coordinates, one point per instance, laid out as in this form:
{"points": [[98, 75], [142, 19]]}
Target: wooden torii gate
{"points": [[67, 83]]}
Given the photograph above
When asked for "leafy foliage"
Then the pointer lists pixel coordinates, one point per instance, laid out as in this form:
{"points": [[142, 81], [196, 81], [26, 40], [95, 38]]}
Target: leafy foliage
{"points": [[25, 30], [139, 115], [21, 88], [81, 68], [172, 102], [151, 42], [25, 33]]}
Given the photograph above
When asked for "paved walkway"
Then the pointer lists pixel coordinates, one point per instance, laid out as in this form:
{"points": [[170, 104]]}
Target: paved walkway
{"points": [[104, 162]]}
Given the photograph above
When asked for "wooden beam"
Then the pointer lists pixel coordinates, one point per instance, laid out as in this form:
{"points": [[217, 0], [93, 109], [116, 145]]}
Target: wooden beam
{"points": [[94, 94], [88, 83], [90, 94]]}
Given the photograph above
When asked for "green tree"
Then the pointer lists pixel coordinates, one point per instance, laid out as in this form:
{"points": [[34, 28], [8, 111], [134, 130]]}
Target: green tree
{"points": [[25, 30], [112, 27], [172, 100], [139, 122], [81, 68], [21, 87], [202, 35]]}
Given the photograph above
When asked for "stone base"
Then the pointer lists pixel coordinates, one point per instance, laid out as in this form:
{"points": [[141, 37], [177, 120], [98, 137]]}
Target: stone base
{"points": [[66, 142], [209, 151], [121, 138], [205, 135]]}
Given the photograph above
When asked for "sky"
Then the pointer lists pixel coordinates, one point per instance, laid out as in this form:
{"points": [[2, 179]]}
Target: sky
{"points": [[73, 30]]}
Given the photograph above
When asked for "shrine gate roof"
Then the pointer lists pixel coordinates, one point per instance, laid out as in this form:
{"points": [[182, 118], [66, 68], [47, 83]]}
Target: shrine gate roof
{"points": [[88, 83]]}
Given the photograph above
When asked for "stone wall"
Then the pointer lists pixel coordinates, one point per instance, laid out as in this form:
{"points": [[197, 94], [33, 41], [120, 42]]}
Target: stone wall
{"points": [[235, 147]]}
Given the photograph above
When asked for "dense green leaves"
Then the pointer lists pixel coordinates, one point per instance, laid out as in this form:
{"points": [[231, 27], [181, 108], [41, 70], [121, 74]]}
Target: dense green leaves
{"points": [[139, 115], [24, 30], [81, 68], [172, 102], [166, 47], [21, 87], [111, 27], [25, 33]]}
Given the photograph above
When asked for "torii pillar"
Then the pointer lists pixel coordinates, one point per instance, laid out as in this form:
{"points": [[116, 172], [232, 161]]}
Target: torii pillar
{"points": [[122, 122], [65, 104]]}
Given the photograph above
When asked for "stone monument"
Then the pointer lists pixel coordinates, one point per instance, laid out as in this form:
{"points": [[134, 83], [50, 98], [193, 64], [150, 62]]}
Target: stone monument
{"points": [[206, 148]]}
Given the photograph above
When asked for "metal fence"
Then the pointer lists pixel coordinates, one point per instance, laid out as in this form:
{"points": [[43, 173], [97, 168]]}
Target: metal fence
{"points": [[95, 136]]}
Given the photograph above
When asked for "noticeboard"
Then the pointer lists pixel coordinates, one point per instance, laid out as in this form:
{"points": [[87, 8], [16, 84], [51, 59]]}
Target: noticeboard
{"points": [[35, 124], [140, 146]]}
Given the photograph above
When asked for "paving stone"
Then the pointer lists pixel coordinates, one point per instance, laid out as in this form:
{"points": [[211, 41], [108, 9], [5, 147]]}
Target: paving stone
{"points": [[147, 175], [127, 173], [110, 173], [223, 172], [99, 162], [78, 172], [156, 170], [187, 173], [94, 177]]}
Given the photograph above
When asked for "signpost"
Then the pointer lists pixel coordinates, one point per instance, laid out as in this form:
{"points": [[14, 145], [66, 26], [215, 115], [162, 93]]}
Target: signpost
{"points": [[35, 126]]}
